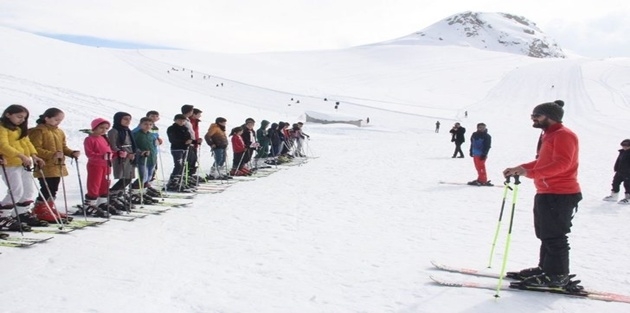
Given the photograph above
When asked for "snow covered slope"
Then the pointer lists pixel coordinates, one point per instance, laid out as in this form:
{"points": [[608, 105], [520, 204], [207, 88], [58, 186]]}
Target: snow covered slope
{"points": [[351, 231], [487, 31]]}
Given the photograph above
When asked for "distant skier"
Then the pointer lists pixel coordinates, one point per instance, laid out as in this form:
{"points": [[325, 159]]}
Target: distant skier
{"points": [[480, 143], [437, 126], [457, 137], [465, 113], [622, 174]]}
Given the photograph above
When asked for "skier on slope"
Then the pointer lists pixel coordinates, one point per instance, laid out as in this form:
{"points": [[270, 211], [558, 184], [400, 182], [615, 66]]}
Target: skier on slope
{"points": [[480, 143], [20, 154], [622, 174], [557, 195], [50, 142]]}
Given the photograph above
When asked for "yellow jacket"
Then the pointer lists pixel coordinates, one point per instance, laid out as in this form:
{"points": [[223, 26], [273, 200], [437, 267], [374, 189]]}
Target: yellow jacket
{"points": [[48, 140], [11, 146]]}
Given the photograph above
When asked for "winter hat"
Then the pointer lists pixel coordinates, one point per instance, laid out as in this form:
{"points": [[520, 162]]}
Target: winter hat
{"points": [[552, 110], [625, 142], [98, 121]]}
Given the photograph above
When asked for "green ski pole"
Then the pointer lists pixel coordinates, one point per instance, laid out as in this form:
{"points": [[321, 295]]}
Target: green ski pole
{"points": [[506, 186], [509, 235]]}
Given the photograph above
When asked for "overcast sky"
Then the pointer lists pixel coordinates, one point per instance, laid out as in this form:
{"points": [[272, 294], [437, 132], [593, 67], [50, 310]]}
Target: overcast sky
{"points": [[590, 28]]}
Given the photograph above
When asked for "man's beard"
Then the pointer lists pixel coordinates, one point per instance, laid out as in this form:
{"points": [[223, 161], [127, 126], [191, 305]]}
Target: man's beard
{"points": [[541, 124]]}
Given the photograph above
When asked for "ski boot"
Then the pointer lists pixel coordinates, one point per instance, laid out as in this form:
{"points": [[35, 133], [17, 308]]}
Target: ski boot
{"points": [[612, 198]]}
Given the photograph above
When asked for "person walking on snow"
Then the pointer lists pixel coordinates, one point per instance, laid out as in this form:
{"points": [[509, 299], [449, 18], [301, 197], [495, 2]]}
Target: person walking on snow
{"points": [[437, 127], [557, 195], [622, 174], [457, 136], [480, 143]]}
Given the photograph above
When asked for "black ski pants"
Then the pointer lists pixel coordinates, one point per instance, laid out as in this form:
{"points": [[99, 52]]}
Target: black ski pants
{"points": [[458, 149], [552, 222], [53, 185], [621, 178]]}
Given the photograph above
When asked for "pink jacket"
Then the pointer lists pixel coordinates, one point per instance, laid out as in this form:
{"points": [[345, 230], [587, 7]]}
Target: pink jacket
{"points": [[96, 149]]}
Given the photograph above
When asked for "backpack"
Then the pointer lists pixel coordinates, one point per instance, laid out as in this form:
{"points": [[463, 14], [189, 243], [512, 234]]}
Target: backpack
{"points": [[208, 139]]}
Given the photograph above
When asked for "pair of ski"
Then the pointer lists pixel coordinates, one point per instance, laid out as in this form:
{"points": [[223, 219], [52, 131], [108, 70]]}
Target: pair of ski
{"points": [[574, 290], [22, 241], [68, 227]]}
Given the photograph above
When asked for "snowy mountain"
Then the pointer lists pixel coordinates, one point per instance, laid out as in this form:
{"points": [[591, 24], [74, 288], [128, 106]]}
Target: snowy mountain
{"points": [[353, 230], [488, 31]]}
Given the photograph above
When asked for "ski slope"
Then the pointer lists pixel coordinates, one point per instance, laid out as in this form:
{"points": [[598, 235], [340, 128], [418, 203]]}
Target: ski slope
{"points": [[353, 230]]}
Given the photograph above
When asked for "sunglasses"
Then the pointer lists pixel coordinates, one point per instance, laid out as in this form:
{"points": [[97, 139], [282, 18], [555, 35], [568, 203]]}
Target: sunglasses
{"points": [[536, 115]]}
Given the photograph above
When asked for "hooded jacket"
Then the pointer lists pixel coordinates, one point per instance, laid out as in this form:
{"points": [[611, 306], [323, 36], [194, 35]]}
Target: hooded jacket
{"points": [[262, 135]]}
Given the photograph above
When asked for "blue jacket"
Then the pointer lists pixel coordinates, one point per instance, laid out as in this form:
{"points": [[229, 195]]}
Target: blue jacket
{"points": [[480, 143]]}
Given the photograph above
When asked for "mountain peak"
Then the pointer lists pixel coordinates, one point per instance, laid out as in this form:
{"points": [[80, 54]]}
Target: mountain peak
{"points": [[487, 31]]}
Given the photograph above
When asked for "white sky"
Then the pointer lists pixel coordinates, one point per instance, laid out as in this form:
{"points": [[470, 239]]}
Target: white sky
{"points": [[589, 28]]}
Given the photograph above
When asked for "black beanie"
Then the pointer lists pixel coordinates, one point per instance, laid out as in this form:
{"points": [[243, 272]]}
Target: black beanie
{"points": [[552, 110]]}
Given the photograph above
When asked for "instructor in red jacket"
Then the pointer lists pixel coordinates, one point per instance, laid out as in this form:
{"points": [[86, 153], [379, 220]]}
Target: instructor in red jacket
{"points": [[557, 195]]}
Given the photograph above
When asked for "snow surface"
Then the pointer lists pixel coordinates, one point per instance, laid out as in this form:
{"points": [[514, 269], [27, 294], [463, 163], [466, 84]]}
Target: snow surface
{"points": [[351, 231]]}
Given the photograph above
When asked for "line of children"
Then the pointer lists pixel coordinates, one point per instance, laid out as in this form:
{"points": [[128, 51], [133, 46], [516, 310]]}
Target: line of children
{"points": [[111, 149]]}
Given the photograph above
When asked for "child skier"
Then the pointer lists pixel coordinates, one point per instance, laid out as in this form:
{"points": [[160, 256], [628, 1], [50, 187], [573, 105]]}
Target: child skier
{"points": [[19, 154], [123, 167], [239, 149], [99, 155], [50, 142], [180, 138], [146, 143], [218, 142], [622, 174]]}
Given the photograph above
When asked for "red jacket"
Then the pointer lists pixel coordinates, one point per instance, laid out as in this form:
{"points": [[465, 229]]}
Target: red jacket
{"points": [[238, 145], [555, 170], [96, 147]]}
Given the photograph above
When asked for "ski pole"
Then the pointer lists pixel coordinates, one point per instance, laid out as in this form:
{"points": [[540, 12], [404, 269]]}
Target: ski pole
{"points": [[509, 235], [63, 189], [10, 191], [184, 162], [81, 188], [506, 186], [163, 189]]}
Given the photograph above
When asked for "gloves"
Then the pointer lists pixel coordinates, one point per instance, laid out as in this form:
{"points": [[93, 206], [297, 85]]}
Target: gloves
{"points": [[483, 157], [122, 154], [254, 145]]}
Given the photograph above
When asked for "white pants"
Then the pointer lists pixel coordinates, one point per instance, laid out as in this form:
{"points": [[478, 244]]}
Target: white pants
{"points": [[22, 185]]}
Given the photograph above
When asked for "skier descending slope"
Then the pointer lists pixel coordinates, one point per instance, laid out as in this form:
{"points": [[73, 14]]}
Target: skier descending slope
{"points": [[557, 195]]}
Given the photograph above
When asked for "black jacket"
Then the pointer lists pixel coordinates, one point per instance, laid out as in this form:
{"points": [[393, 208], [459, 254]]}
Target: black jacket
{"points": [[177, 136], [622, 165], [457, 136]]}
